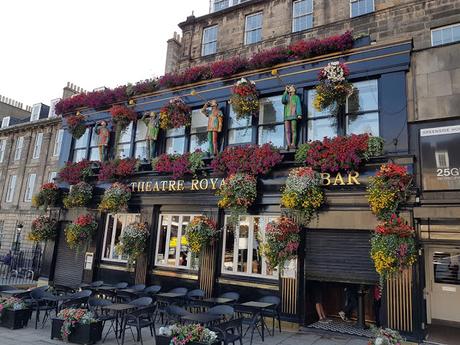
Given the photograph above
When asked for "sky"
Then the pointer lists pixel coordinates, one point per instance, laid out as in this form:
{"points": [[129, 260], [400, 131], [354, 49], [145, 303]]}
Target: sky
{"points": [[92, 43]]}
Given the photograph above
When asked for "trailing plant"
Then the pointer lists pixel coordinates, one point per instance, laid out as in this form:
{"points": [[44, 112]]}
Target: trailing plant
{"points": [[80, 231], [385, 336], [200, 232], [115, 198], [43, 229], [185, 334], [333, 88], [374, 147], [122, 116], [237, 193], [142, 87], [47, 196], [249, 159], [245, 99], [73, 173], [228, 68], [268, 58], [12, 303], [179, 165], [175, 114], [118, 169], [281, 242], [80, 195], [76, 125], [388, 189], [302, 153], [133, 241], [72, 317], [302, 195]]}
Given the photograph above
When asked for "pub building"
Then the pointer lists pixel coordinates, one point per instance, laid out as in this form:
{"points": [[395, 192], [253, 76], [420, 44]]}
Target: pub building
{"points": [[335, 246]]}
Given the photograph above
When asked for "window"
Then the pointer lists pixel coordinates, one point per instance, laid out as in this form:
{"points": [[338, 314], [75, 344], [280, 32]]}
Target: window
{"points": [[239, 131], [271, 121], [172, 246], [2, 225], [113, 229], [52, 175], [360, 7], [242, 248], [93, 146], [79, 149], [209, 44], [140, 146], [58, 143], [199, 132], [124, 143], [445, 35], [5, 122], [446, 267], [361, 114], [175, 140], [18, 149], [253, 28], [11, 188], [37, 146], [52, 111], [2, 149], [30, 187], [220, 5], [302, 15], [35, 114]]}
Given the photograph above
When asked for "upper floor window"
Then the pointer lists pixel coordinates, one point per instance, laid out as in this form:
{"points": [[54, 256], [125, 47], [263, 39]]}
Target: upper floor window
{"points": [[220, 5], [11, 188], [35, 114], [209, 44], [58, 143], [271, 121], [124, 142], [360, 7], [199, 132], [116, 224], [172, 246], [80, 146], [140, 145], [242, 252], [2, 150], [52, 111], [5, 122], [51, 176], [37, 146], [445, 35], [253, 28], [93, 146], [302, 15], [30, 187], [239, 130], [18, 149], [175, 140]]}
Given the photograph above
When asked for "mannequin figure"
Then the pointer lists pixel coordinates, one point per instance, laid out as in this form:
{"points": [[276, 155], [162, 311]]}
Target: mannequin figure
{"points": [[215, 119], [152, 121], [292, 113], [103, 136]]}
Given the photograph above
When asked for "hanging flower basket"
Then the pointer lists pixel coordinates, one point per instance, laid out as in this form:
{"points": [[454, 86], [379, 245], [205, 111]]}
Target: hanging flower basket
{"points": [[122, 116], [333, 88], [179, 165], [302, 195], [118, 169], [237, 194], [115, 198], [79, 196], [200, 232], [79, 232], [73, 173], [76, 125], [43, 229], [47, 196], [175, 114], [133, 241], [245, 99], [281, 242]]}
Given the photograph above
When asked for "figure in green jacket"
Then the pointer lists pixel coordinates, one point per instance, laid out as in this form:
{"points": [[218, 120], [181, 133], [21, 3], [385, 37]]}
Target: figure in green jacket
{"points": [[152, 121], [292, 113]]}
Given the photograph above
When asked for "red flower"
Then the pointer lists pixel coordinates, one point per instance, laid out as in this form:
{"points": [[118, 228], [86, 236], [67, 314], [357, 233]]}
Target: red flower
{"points": [[123, 113], [73, 173], [50, 186]]}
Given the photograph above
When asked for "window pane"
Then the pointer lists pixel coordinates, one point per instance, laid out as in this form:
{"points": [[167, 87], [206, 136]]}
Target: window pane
{"points": [[256, 253], [364, 97], [175, 145], [240, 136], [79, 155], [123, 150], [173, 241], [125, 136], [94, 154], [312, 112], [199, 122], [82, 141], [318, 129], [271, 110], [199, 141], [108, 238], [141, 130], [184, 252], [446, 268], [175, 132], [118, 228], [162, 240], [243, 240], [456, 33], [437, 37], [229, 248], [272, 134], [140, 151], [365, 123], [354, 9]]}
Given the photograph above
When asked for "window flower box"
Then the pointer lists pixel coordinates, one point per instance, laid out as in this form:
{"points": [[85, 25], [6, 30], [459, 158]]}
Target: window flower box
{"points": [[81, 334], [15, 319]]}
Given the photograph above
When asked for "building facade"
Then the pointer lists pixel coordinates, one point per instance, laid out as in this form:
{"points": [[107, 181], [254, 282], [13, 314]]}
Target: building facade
{"points": [[405, 69]]}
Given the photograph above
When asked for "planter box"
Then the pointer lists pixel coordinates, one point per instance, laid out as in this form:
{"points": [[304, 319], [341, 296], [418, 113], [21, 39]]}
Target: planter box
{"points": [[15, 319], [81, 334], [163, 340]]}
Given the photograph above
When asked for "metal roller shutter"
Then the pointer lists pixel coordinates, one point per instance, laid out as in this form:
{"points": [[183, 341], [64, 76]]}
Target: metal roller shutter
{"points": [[339, 256]]}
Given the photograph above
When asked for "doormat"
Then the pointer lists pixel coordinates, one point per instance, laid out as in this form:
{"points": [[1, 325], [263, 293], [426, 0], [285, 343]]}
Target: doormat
{"points": [[340, 326]]}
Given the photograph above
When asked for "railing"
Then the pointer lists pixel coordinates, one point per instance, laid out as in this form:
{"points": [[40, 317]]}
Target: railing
{"points": [[20, 267]]}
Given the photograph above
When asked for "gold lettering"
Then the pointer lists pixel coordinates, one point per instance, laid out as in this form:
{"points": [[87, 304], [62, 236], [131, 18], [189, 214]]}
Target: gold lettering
{"points": [[148, 186], [172, 186], [156, 187], [326, 179], [222, 183], [140, 186], [204, 184], [180, 185], [214, 183], [353, 178], [339, 178], [163, 185], [195, 185], [133, 185]]}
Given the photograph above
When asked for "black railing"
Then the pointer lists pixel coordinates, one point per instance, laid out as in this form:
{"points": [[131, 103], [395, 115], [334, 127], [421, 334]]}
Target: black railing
{"points": [[20, 267]]}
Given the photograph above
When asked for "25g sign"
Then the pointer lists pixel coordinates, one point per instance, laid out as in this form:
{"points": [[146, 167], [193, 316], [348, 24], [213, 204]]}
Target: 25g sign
{"points": [[447, 172]]}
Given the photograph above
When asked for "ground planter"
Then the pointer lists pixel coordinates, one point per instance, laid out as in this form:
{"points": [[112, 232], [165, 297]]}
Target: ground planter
{"points": [[15, 319], [163, 340], [81, 334]]}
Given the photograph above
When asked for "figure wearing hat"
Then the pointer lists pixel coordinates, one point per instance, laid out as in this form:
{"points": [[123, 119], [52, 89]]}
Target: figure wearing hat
{"points": [[152, 121], [292, 113], [215, 119], [103, 137]]}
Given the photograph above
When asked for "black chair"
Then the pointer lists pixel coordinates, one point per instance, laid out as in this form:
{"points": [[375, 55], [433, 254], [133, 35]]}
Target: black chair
{"points": [[126, 296], [121, 285], [195, 298], [235, 296], [40, 301], [175, 313], [140, 318], [274, 311], [141, 302], [225, 311], [96, 284], [151, 291], [179, 290], [96, 305], [229, 332], [63, 290], [138, 287]]}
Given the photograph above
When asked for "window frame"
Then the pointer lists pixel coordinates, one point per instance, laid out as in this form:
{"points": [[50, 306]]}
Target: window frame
{"points": [[124, 223], [139, 141], [11, 188], [450, 26], [128, 142], [205, 44], [250, 127], [361, 14], [6, 122], [51, 176], [38, 145], [35, 114], [86, 148], [18, 148], [185, 135], [276, 123], [294, 17], [52, 111], [30, 186], [3, 143], [246, 31], [58, 142], [191, 134]]}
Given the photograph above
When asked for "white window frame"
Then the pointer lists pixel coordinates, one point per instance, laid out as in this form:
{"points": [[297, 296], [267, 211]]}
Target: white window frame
{"points": [[441, 29], [30, 187], [204, 44], [246, 31], [361, 14], [179, 240], [58, 143], [35, 113], [223, 4], [2, 149], [127, 218], [6, 121], [52, 111], [294, 16], [51, 176], [11, 188], [268, 218], [440, 156], [18, 148], [38, 146]]}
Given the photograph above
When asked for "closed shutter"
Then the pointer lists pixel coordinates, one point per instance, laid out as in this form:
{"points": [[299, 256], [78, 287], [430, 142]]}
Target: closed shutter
{"points": [[69, 263], [339, 256]]}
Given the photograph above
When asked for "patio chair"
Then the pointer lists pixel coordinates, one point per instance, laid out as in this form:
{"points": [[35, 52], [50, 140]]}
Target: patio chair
{"points": [[274, 311], [138, 287], [63, 289], [229, 332], [141, 302], [140, 318], [39, 303], [126, 296], [194, 299], [175, 313], [179, 290], [121, 285], [225, 311], [96, 305], [235, 296], [151, 291]]}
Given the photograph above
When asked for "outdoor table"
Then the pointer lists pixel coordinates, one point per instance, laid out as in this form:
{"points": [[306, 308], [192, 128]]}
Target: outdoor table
{"points": [[10, 293], [201, 318], [256, 309], [218, 300], [119, 309], [168, 297]]}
